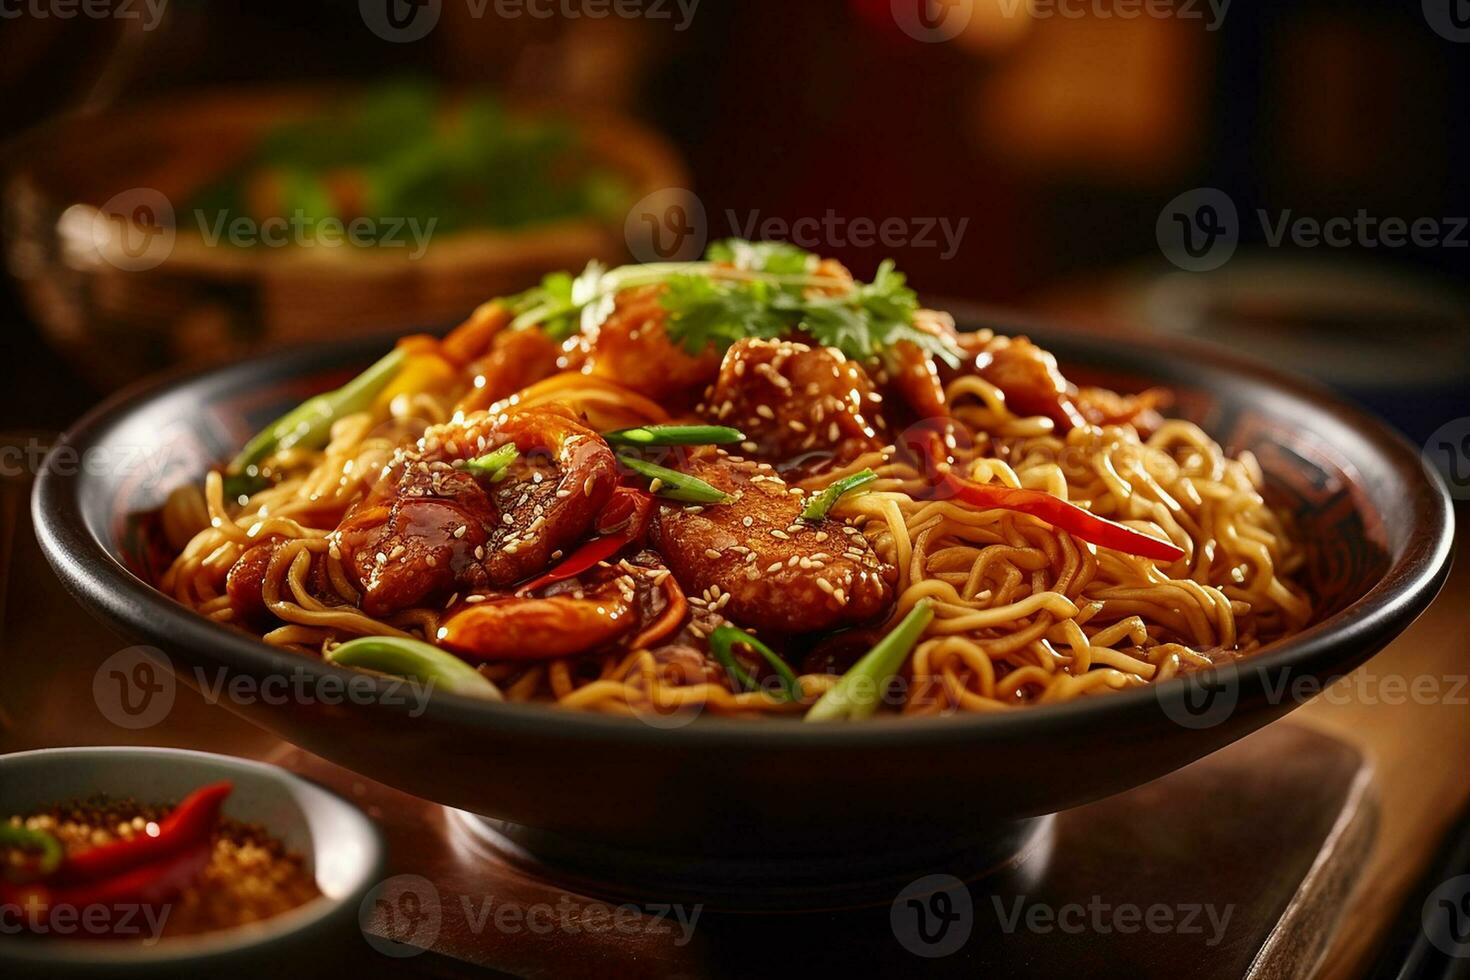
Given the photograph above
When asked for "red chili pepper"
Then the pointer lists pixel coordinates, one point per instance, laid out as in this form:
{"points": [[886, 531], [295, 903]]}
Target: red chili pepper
{"points": [[190, 823], [1076, 521], [146, 884], [1064, 516], [623, 521]]}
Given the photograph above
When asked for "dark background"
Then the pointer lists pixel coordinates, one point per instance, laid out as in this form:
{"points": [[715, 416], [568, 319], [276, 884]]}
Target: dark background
{"points": [[1060, 139]]}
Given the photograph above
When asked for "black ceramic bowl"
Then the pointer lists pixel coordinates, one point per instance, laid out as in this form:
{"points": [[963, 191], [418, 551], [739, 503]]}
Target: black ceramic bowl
{"points": [[815, 805]]}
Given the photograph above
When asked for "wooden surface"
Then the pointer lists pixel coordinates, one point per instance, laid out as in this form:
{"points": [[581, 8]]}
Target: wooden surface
{"points": [[1418, 748], [49, 651]]}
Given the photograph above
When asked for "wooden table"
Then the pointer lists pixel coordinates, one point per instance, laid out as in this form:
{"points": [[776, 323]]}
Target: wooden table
{"points": [[1419, 750]]}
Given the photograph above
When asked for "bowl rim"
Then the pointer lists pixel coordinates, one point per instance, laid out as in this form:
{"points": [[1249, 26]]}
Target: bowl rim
{"points": [[1405, 589], [223, 942]]}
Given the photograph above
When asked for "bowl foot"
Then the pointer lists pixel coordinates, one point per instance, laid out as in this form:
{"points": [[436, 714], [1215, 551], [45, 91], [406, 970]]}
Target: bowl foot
{"points": [[757, 883]]}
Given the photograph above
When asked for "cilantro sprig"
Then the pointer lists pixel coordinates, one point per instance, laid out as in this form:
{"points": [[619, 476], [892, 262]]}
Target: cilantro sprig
{"points": [[743, 289]]}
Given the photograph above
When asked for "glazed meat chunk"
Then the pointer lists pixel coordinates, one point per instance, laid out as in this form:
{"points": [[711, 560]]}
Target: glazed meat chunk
{"points": [[755, 561], [796, 402], [430, 528], [632, 349]]}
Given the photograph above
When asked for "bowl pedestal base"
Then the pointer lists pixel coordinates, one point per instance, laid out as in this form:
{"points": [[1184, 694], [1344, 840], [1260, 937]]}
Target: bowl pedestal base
{"points": [[1236, 866]]}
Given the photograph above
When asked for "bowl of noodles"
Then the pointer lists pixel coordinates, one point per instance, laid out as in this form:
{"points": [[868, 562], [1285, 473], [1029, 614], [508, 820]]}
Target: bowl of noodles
{"points": [[747, 559]]}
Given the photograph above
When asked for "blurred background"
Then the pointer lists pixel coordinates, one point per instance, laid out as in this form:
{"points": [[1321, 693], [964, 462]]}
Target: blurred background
{"points": [[1115, 164]]}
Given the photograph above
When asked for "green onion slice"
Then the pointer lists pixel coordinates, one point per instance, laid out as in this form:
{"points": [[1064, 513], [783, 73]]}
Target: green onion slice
{"points": [[310, 423], [675, 485], [721, 642], [421, 661], [822, 504], [675, 435], [850, 698], [47, 847], [493, 465]]}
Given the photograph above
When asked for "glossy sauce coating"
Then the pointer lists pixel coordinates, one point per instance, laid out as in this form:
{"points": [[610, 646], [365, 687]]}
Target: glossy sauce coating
{"points": [[757, 563], [798, 405], [429, 528]]}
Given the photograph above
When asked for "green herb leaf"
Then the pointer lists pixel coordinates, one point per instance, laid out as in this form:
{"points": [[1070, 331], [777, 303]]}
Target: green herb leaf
{"points": [[823, 502], [675, 485], [675, 435], [721, 642], [779, 258]]}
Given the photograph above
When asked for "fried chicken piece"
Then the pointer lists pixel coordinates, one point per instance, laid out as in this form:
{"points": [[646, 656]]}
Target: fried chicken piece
{"points": [[755, 562], [633, 349], [797, 404], [429, 528]]}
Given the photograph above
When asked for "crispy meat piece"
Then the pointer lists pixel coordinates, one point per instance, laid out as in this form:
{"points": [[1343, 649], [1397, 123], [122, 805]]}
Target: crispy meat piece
{"points": [[753, 561], [428, 528], [796, 402], [633, 349]]}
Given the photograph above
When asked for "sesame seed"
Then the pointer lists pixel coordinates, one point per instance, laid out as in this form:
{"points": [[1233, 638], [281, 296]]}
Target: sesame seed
{"points": [[711, 553], [775, 568], [778, 533], [747, 520], [459, 531]]}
